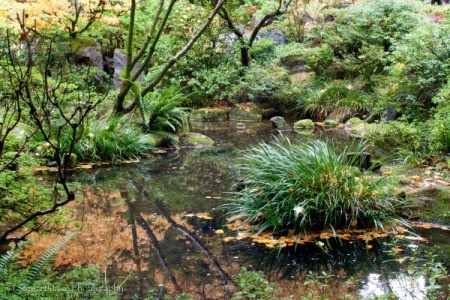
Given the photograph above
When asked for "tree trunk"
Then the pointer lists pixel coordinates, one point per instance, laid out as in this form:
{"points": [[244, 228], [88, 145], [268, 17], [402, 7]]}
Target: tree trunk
{"points": [[245, 56]]}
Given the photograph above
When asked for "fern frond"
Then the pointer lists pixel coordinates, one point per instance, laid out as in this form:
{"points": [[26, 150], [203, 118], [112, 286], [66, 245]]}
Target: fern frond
{"points": [[6, 258], [48, 257]]}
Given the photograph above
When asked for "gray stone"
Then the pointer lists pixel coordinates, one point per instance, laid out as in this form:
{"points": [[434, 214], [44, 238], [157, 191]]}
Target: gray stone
{"points": [[276, 35], [390, 114], [120, 62], [294, 64], [280, 124], [87, 52], [90, 56], [341, 115]]}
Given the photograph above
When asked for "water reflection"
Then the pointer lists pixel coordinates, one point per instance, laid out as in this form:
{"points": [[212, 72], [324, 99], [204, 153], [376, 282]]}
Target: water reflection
{"points": [[404, 287], [134, 226]]}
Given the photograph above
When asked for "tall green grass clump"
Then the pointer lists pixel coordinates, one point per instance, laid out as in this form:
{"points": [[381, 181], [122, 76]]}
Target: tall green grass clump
{"points": [[309, 187], [110, 140]]}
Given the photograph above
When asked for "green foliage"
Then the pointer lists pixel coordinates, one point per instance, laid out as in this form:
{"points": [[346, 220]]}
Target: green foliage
{"points": [[16, 190], [253, 285], [110, 140], [165, 111], [262, 84], [415, 143], [263, 51], [47, 258], [39, 281], [7, 259], [320, 98], [395, 134], [309, 186], [378, 23], [420, 65], [317, 59]]}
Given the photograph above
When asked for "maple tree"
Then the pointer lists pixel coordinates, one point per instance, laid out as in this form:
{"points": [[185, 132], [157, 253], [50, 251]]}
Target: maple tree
{"points": [[75, 16]]}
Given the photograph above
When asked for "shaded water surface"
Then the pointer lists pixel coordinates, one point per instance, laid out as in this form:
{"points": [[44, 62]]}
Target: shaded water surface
{"points": [[151, 226]]}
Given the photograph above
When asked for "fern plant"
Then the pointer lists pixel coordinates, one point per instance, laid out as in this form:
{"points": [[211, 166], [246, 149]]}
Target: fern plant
{"points": [[39, 282], [48, 257], [164, 110]]}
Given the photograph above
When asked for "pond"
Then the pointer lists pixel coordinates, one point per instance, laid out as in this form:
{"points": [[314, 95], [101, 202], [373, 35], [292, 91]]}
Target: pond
{"points": [[151, 225]]}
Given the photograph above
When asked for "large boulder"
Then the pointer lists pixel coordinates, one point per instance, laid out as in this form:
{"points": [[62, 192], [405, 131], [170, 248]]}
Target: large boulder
{"points": [[246, 112], [280, 124], [341, 115], [120, 62], [276, 35], [195, 140], [294, 63], [87, 52]]}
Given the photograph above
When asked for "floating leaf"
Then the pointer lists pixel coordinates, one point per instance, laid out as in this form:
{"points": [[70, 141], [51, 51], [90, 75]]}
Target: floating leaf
{"points": [[229, 238]]}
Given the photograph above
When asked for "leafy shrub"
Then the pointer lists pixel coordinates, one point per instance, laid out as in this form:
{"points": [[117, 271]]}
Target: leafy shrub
{"points": [[263, 51], [420, 65], [264, 84], [252, 285], [308, 186], [317, 59], [395, 135], [439, 125], [370, 23]]}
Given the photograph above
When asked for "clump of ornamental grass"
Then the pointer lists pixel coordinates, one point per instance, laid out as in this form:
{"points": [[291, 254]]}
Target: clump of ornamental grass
{"points": [[110, 140], [309, 187]]}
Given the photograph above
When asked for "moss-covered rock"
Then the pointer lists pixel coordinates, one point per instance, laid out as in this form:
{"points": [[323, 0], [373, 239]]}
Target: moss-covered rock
{"points": [[304, 131], [342, 114], [305, 123], [210, 114], [280, 124], [431, 204], [152, 140], [195, 140], [330, 123], [248, 111], [355, 127], [81, 42]]}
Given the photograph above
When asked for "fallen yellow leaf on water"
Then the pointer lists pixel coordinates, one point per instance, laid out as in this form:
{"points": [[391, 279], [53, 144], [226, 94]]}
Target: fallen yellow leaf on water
{"points": [[86, 166], [219, 231], [369, 247], [416, 238], [229, 238]]}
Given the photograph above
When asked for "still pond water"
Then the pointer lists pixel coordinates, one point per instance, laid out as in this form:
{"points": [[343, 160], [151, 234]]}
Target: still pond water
{"points": [[144, 224]]}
